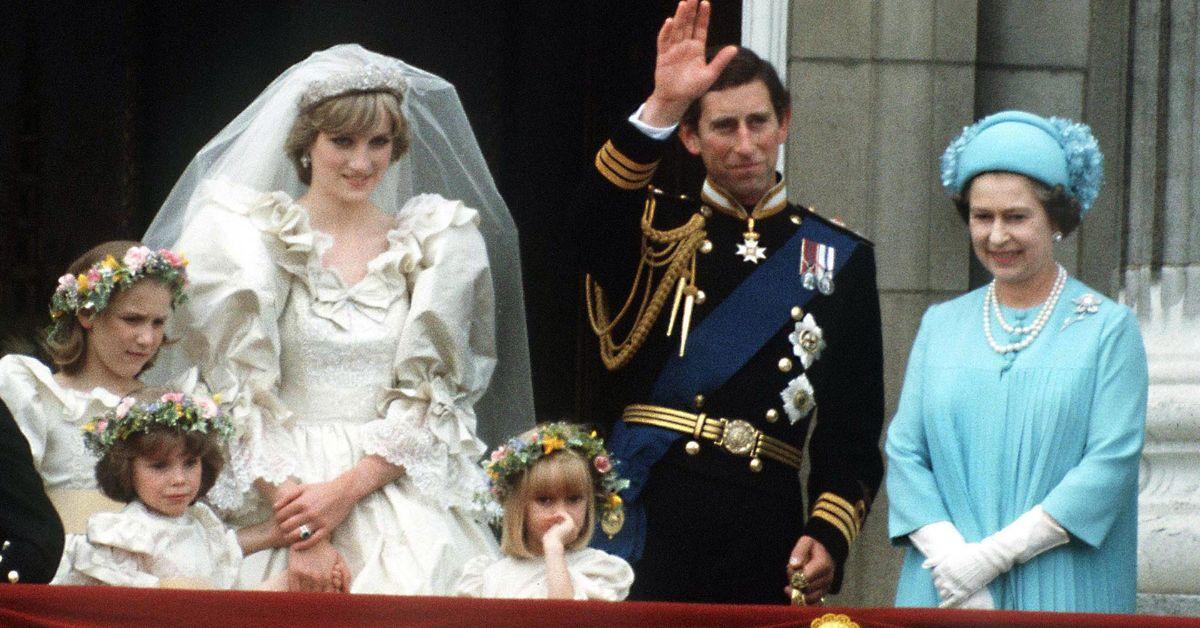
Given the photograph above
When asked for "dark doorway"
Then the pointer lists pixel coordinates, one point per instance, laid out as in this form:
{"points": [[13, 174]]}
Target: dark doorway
{"points": [[105, 104]]}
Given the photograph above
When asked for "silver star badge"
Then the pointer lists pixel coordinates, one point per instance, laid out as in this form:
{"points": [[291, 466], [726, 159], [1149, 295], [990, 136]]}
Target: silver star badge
{"points": [[751, 251]]}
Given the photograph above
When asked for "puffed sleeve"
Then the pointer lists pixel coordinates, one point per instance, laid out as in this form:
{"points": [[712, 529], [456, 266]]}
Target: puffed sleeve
{"points": [[444, 357], [913, 496], [471, 582], [229, 325], [1116, 428], [598, 575], [23, 383], [115, 552]]}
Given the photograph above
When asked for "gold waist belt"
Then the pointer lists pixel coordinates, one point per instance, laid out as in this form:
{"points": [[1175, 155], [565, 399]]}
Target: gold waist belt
{"points": [[735, 436], [74, 506]]}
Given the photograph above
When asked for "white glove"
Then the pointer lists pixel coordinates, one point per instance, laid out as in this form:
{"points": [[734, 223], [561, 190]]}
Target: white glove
{"points": [[937, 540], [972, 567], [980, 600]]}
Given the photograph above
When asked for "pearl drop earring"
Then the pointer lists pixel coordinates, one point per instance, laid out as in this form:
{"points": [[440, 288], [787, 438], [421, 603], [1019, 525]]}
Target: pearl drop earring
{"points": [[306, 161], [1057, 237]]}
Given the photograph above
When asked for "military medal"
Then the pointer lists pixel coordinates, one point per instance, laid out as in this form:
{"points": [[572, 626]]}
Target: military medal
{"points": [[808, 340], [808, 258], [773, 202], [749, 249], [825, 259]]}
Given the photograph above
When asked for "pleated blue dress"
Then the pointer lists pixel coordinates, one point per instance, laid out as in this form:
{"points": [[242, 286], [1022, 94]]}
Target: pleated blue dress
{"points": [[980, 438]]}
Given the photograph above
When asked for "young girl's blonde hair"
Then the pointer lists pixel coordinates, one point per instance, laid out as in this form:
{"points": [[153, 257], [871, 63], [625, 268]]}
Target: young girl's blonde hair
{"points": [[563, 468]]}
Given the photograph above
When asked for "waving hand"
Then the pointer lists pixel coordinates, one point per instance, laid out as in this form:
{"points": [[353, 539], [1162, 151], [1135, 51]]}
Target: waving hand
{"points": [[681, 73]]}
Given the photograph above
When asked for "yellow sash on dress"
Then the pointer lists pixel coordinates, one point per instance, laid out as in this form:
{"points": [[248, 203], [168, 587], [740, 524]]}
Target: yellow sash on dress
{"points": [[75, 505]]}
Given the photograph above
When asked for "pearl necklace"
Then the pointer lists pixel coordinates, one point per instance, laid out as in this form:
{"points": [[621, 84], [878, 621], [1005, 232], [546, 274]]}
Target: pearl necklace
{"points": [[990, 302]]}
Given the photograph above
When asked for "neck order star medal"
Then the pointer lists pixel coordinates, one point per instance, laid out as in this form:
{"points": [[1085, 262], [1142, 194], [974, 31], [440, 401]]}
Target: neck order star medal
{"points": [[749, 249], [772, 202]]}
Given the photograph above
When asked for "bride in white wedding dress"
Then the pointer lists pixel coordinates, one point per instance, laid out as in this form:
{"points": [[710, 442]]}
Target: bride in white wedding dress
{"points": [[346, 312]]}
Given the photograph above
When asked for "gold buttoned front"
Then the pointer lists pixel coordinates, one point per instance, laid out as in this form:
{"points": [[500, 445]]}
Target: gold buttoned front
{"points": [[785, 365]]}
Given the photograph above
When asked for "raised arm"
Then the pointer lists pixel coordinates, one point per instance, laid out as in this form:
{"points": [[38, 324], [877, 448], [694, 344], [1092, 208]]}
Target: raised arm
{"points": [[681, 73]]}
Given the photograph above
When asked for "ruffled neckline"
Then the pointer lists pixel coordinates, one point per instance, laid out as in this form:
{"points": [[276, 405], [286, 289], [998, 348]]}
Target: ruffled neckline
{"points": [[139, 529], [296, 247], [73, 399]]}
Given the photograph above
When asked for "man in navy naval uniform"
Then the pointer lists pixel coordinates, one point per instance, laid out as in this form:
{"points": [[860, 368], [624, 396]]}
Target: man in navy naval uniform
{"points": [[730, 325]]}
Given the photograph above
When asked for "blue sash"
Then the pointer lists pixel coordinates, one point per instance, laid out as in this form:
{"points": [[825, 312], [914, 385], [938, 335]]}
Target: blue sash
{"points": [[716, 349]]}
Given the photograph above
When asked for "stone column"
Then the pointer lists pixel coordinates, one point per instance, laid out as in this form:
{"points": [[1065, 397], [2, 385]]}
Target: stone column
{"points": [[878, 88], [1162, 282]]}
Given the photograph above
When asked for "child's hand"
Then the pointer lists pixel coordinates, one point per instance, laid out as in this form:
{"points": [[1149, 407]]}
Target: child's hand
{"points": [[561, 533], [340, 578]]}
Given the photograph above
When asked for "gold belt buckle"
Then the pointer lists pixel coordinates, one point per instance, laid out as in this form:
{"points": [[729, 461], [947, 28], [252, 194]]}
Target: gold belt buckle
{"points": [[738, 437]]}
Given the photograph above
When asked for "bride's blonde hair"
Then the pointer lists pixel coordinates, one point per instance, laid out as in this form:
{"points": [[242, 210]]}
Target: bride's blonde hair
{"points": [[350, 114]]}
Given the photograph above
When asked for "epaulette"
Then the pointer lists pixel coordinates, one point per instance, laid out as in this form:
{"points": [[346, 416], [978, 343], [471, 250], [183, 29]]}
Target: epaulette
{"points": [[811, 212]]}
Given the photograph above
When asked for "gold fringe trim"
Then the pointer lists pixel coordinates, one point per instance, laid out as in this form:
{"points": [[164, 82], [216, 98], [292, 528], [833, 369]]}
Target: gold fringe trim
{"points": [[672, 253]]}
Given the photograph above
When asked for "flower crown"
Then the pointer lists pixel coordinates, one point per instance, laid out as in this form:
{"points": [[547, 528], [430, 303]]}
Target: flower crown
{"points": [[369, 78], [510, 460], [175, 410], [93, 290]]}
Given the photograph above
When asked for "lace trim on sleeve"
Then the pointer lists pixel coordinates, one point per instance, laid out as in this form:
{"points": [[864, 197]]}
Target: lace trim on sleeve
{"points": [[259, 451], [435, 442]]}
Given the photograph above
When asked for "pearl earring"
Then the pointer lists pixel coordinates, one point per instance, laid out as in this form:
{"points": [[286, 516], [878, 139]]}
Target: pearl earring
{"points": [[1057, 237], [306, 161]]}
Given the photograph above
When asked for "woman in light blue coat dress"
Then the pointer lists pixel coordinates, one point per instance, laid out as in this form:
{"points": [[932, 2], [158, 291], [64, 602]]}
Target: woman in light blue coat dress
{"points": [[1013, 455]]}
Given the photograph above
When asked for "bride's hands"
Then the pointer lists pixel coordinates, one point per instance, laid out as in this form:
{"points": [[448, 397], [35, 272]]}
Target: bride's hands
{"points": [[322, 506]]}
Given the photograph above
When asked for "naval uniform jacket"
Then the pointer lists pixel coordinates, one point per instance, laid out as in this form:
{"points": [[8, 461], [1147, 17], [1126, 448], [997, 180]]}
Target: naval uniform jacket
{"points": [[843, 454], [31, 533]]}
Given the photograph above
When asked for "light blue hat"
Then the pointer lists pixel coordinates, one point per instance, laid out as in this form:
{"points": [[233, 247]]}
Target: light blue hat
{"points": [[1054, 151]]}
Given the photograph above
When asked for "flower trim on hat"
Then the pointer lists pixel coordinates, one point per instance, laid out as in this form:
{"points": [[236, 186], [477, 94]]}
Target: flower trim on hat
{"points": [[93, 289], [509, 461], [175, 410], [1085, 162]]}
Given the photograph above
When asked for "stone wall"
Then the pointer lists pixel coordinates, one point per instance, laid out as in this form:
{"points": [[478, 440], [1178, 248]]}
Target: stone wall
{"points": [[1162, 282], [879, 89]]}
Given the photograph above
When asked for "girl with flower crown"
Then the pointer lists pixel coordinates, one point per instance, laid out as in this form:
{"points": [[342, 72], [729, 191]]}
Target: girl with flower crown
{"points": [[160, 452], [550, 482], [344, 232], [1013, 456], [107, 319]]}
